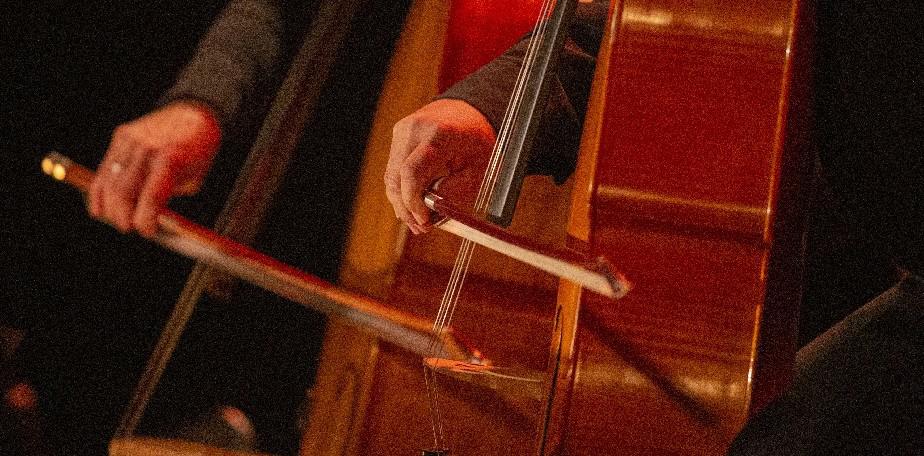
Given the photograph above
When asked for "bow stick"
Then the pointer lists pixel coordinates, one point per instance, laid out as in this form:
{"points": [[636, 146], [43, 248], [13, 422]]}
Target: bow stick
{"points": [[199, 243], [594, 274]]}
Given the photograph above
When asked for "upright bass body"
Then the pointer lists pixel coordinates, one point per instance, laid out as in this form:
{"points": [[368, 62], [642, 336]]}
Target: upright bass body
{"points": [[370, 396], [689, 180]]}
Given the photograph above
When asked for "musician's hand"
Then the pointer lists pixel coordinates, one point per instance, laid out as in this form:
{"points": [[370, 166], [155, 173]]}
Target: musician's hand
{"points": [[446, 138], [164, 153]]}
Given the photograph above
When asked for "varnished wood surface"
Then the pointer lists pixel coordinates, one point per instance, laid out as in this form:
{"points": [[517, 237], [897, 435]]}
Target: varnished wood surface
{"points": [[147, 446], [679, 178], [510, 324], [684, 198], [347, 370], [374, 392]]}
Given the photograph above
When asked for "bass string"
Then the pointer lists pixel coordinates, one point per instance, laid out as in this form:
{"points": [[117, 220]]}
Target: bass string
{"points": [[451, 294], [450, 299], [513, 108]]}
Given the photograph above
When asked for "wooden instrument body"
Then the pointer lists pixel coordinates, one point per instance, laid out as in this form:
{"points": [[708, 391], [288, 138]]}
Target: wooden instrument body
{"points": [[687, 181], [690, 181], [370, 397]]}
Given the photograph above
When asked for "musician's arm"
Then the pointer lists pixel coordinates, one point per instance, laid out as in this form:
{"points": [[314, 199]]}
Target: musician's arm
{"points": [[454, 134], [170, 150], [489, 89], [240, 54]]}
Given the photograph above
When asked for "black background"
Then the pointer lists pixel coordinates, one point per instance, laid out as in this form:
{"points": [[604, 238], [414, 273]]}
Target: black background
{"points": [[93, 301]]}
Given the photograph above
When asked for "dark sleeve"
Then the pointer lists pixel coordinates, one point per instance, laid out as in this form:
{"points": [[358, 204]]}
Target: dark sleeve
{"points": [[554, 151], [239, 54]]}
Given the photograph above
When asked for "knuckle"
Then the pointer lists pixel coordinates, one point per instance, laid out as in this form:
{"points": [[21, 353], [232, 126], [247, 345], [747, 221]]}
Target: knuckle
{"points": [[120, 131], [418, 124], [124, 132], [392, 181], [401, 126], [142, 221], [407, 126], [414, 172], [160, 161], [411, 198]]}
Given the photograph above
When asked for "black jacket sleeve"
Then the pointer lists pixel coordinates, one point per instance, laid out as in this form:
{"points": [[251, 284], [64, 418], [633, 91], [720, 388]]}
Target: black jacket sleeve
{"points": [[242, 52], [554, 151]]}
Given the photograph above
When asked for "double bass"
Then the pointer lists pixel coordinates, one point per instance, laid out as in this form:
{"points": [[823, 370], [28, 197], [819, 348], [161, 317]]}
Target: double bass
{"points": [[690, 178]]}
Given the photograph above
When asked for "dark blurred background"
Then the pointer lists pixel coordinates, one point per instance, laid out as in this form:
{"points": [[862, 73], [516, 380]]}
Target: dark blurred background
{"points": [[92, 302]]}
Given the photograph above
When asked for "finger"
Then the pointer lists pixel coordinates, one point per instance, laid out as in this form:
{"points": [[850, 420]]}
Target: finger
{"points": [[126, 186], [154, 195], [419, 170], [94, 196], [119, 192], [118, 147], [393, 193], [401, 147], [117, 201], [403, 144]]}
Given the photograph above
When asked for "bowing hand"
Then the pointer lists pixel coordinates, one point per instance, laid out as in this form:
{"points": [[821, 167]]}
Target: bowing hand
{"points": [[164, 153], [446, 140]]}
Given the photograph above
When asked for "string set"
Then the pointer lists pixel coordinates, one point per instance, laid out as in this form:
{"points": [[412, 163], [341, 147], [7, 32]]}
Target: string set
{"points": [[453, 289]]}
